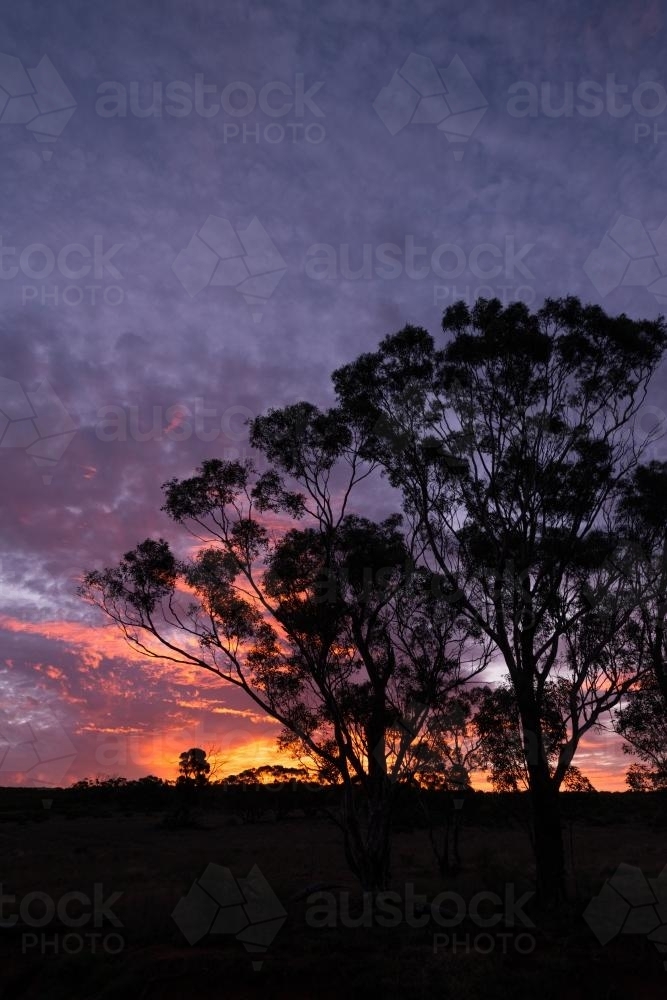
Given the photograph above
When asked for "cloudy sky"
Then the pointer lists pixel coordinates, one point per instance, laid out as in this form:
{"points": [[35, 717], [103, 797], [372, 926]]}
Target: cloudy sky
{"points": [[207, 206]]}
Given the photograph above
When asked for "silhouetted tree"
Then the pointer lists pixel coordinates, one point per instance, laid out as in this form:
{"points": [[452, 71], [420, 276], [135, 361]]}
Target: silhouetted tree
{"points": [[642, 557], [442, 762], [193, 766], [641, 723], [267, 774], [501, 743], [329, 628], [510, 444]]}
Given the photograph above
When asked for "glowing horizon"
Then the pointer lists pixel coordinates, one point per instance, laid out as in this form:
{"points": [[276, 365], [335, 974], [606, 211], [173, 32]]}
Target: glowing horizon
{"points": [[101, 725]]}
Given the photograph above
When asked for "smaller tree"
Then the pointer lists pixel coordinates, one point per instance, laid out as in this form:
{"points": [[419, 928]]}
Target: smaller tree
{"points": [[329, 628], [642, 523], [441, 764], [641, 723], [267, 774], [193, 767], [503, 746]]}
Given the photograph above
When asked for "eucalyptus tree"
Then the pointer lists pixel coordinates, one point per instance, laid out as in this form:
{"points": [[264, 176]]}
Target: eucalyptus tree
{"points": [[510, 442], [642, 527], [442, 765], [500, 744], [318, 614], [194, 767], [641, 721]]}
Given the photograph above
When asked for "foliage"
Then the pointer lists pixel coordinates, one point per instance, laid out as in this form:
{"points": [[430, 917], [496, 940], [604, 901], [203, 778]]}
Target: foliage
{"points": [[194, 767]]}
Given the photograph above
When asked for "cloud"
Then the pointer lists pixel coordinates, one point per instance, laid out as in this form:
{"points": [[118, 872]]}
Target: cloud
{"points": [[151, 357]]}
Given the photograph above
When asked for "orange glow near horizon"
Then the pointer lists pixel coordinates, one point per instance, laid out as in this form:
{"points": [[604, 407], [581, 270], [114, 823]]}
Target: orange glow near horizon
{"points": [[167, 708], [158, 754]]}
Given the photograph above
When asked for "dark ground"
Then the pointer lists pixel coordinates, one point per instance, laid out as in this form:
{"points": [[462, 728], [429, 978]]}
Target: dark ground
{"points": [[152, 865]]}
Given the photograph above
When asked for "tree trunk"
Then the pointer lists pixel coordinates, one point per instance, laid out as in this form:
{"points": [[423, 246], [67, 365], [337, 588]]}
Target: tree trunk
{"points": [[368, 838], [547, 838], [457, 822], [445, 836], [378, 846], [545, 806]]}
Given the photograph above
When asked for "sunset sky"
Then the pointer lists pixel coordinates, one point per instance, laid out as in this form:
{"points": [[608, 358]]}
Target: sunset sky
{"points": [[207, 207]]}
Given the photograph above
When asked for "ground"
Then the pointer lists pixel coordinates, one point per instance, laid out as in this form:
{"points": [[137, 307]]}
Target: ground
{"points": [[153, 866]]}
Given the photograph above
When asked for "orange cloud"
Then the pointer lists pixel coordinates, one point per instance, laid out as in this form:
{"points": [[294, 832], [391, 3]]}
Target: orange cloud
{"points": [[250, 743]]}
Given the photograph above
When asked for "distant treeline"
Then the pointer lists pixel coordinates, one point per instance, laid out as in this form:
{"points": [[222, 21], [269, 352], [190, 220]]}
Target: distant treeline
{"points": [[249, 798]]}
